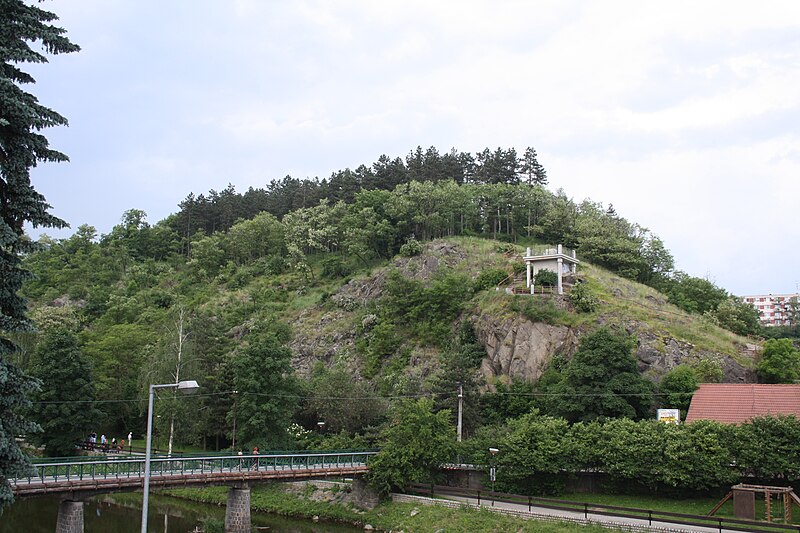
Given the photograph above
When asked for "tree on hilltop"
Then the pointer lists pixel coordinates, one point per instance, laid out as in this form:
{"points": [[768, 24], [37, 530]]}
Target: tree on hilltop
{"points": [[22, 147], [531, 169]]}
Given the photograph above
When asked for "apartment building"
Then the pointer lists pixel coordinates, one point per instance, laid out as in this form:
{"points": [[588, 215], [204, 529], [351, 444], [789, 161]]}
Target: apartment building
{"points": [[775, 309]]}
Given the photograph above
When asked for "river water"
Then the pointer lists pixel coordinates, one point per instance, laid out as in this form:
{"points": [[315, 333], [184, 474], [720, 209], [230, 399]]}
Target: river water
{"points": [[122, 514]]}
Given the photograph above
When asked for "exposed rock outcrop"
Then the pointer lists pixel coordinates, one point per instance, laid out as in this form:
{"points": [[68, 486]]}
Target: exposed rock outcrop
{"points": [[518, 349]]}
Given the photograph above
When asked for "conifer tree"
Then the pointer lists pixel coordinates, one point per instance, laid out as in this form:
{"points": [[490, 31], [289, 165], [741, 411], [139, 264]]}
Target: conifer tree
{"points": [[22, 147], [530, 168]]}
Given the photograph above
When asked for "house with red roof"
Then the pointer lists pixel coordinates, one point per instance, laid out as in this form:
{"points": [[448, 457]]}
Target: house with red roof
{"points": [[735, 403]]}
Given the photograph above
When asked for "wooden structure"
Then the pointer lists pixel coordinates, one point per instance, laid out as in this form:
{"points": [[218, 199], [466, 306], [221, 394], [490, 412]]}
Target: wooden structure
{"points": [[744, 497]]}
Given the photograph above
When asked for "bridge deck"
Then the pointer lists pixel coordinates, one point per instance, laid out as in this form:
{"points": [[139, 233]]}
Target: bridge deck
{"points": [[128, 473]]}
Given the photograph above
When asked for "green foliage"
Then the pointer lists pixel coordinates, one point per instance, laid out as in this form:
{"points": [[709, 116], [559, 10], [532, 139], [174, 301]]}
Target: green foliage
{"points": [[411, 248], [427, 311], [264, 379], [117, 353], [582, 298], [413, 446], [737, 316], [535, 447], [545, 277], [677, 387], [780, 362], [378, 344], [539, 309], [709, 371], [15, 391], [63, 407], [694, 295], [22, 146], [538, 452], [459, 366], [489, 278], [334, 267], [344, 404], [508, 401], [601, 381], [767, 448]]}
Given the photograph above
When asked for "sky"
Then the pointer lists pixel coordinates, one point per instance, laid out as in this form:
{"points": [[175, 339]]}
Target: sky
{"points": [[683, 115]]}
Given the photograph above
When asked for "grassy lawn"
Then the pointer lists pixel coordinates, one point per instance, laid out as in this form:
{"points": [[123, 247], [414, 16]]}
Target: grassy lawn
{"points": [[387, 516], [696, 506]]}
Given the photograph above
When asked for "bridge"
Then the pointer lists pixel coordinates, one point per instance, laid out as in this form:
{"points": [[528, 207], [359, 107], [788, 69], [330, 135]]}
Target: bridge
{"points": [[80, 477]]}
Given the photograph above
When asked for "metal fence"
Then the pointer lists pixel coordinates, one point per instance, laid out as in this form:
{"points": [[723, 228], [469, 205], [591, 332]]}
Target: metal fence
{"points": [[50, 471], [589, 509]]}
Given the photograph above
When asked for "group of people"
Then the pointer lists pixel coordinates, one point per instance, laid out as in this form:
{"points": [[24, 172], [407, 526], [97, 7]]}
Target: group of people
{"points": [[253, 463], [105, 445]]}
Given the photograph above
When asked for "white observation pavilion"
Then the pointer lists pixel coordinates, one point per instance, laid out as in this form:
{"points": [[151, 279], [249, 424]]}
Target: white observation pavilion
{"points": [[560, 260]]}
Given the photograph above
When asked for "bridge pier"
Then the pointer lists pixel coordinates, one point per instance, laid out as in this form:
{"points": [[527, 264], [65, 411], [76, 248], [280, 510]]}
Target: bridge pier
{"points": [[237, 513], [70, 517]]}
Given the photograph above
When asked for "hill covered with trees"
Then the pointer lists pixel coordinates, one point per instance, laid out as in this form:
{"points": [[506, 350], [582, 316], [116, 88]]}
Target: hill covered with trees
{"points": [[274, 299]]}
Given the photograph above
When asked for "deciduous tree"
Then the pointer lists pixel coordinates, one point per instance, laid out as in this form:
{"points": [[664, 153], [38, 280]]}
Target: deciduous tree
{"points": [[780, 362], [63, 407], [413, 445]]}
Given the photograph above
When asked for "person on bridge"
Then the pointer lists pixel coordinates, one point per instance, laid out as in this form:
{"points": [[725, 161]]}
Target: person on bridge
{"points": [[255, 461]]}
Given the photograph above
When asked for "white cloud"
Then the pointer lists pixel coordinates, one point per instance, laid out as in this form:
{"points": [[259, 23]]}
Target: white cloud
{"points": [[680, 114]]}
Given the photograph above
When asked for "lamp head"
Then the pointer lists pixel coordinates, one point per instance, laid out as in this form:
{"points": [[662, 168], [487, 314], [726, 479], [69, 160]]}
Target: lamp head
{"points": [[493, 451], [188, 387]]}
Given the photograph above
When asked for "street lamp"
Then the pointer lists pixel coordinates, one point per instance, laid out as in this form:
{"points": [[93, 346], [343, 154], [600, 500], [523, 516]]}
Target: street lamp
{"points": [[186, 387], [493, 471], [235, 401]]}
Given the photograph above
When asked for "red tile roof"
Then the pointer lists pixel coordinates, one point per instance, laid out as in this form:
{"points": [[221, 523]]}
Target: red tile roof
{"points": [[731, 403]]}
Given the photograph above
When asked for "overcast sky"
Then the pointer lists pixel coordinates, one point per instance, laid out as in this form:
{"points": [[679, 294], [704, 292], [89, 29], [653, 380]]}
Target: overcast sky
{"points": [[684, 115]]}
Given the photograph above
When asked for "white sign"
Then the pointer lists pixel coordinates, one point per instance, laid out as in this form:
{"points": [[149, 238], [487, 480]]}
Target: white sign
{"points": [[669, 416]]}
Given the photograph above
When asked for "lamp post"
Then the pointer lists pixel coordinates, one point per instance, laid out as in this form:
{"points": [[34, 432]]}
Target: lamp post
{"points": [[493, 471], [186, 387], [235, 401]]}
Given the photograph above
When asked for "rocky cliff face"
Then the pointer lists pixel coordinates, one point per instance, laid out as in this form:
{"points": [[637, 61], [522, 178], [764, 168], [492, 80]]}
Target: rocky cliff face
{"points": [[518, 349]]}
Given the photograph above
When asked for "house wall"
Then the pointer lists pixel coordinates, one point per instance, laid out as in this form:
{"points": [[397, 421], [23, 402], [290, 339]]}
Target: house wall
{"points": [[546, 264], [773, 309]]}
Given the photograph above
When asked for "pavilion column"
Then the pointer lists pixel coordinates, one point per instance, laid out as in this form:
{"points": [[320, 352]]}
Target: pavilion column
{"points": [[560, 268], [237, 513], [70, 517]]}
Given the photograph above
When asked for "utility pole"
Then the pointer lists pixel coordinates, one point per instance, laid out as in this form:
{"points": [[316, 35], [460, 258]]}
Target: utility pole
{"points": [[460, 408]]}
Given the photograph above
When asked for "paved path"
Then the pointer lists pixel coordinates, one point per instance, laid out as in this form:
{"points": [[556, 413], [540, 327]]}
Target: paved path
{"points": [[609, 521]]}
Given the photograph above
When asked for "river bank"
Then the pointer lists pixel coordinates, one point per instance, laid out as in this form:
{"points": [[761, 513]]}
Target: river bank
{"points": [[333, 502]]}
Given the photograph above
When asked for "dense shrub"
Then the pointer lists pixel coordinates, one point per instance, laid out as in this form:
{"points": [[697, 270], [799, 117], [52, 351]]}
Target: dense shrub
{"points": [[428, 311], [583, 300], [546, 278], [489, 278], [334, 267], [699, 457], [411, 248]]}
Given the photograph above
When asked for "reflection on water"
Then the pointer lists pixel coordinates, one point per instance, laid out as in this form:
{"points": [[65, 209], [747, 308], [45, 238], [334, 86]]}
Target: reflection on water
{"points": [[121, 513]]}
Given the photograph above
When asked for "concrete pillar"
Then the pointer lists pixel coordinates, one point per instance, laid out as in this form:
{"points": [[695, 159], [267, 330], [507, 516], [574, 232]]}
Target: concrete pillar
{"points": [[527, 274], [70, 517], [560, 268], [237, 513]]}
